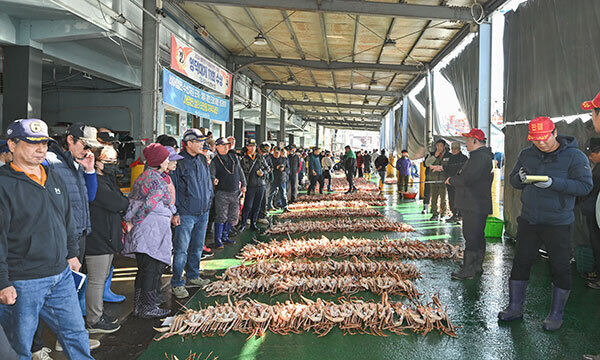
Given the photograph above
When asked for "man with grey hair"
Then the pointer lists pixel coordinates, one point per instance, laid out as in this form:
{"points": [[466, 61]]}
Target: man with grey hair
{"points": [[455, 162]]}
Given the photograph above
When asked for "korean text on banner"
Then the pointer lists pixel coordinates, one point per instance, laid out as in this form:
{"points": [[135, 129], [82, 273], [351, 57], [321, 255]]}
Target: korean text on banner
{"points": [[187, 97], [185, 60]]}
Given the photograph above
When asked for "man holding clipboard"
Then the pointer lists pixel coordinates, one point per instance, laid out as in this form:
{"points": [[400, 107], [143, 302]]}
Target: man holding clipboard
{"points": [[551, 174], [38, 247]]}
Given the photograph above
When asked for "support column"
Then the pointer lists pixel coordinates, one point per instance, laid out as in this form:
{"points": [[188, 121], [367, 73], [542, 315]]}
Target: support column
{"points": [[302, 141], [149, 72], [485, 78], [404, 122], [238, 133], [429, 111], [281, 137], [290, 139], [230, 124], [22, 84], [261, 133], [317, 137]]}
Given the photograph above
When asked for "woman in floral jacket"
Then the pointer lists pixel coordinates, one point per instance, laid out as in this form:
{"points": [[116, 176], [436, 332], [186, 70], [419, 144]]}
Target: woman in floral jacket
{"points": [[149, 239]]}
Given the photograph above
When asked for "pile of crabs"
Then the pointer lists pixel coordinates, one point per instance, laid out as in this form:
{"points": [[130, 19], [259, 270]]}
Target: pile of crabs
{"points": [[311, 266]]}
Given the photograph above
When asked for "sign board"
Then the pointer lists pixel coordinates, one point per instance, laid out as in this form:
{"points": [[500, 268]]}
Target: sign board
{"points": [[186, 61], [185, 96]]}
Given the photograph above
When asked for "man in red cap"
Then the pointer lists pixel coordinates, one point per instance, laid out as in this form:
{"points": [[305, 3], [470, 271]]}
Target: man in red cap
{"points": [[551, 174], [473, 187], [594, 107]]}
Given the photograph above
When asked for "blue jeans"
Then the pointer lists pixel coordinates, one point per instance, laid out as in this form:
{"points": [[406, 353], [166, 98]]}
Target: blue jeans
{"points": [[188, 242], [54, 299], [282, 194]]}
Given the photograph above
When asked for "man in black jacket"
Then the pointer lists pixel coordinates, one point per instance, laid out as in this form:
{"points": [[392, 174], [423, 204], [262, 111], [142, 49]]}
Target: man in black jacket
{"points": [[265, 151], [456, 161], [229, 181], [281, 171], [367, 165], [349, 161], [473, 186], [381, 164], [38, 247], [294, 161], [255, 169]]}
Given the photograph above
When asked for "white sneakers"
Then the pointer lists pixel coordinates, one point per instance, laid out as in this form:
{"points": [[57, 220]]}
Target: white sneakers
{"points": [[43, 354], [94, 344], [180, 292]]}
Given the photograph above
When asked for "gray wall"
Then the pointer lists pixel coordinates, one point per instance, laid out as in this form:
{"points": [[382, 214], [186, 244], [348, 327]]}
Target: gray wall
{"points": [[116, 111]]}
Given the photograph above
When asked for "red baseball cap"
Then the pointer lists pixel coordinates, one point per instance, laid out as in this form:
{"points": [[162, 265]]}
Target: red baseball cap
{"points": [[592, 104], [540, 129], [475, 133]]}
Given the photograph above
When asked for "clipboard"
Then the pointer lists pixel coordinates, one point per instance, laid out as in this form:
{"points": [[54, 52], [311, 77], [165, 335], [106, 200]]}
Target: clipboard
{"points": [[530, 179], [79, 279]]}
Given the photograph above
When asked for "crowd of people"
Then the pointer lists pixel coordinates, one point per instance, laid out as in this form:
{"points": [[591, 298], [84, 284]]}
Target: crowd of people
{"points": [[62, 213]]}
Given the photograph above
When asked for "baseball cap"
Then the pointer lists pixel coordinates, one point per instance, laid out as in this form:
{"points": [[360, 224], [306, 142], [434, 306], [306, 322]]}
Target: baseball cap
{"points": [[540, 129], [250, 142], [475, 133], [173, 155], [30, 130], [222, 141], [87, 134], [107, 137], [592, 104], [193, 134], [3, 147], [593, 145]]}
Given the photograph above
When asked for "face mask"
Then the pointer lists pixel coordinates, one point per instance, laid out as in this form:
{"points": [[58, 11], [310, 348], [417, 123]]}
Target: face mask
{"points": [[110, 169]]}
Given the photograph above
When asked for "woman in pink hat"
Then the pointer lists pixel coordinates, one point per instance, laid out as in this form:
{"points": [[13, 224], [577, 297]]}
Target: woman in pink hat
{"points": [[149, 216]]}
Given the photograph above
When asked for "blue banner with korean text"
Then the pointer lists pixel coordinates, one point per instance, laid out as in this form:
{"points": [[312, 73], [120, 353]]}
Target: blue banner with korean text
{"points": [[185, 96]]}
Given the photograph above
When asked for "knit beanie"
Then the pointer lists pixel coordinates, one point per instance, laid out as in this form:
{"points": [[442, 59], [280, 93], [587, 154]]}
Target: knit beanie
{"points": [[155, 154]]}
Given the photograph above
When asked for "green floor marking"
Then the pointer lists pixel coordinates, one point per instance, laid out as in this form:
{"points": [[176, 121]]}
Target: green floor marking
{"points": [[423, 222], [417, 217], [437, 227], [434, 237], [219, 264], [413, 204], [250, 348]]}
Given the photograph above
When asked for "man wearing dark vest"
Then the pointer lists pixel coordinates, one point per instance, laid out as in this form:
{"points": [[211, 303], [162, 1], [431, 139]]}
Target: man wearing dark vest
{"points": [[294, 163], [255, 170], [229, 181]]}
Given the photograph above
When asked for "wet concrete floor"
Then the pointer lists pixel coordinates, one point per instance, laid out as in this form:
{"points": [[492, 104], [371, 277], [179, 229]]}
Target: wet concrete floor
{"points": [[472, 305]]}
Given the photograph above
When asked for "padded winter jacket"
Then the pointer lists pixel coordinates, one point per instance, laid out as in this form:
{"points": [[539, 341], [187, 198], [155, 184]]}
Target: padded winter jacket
{"points": [[473, 183], [571, 176], [314, 164], [81, 187], [193, 185], [106, 211], [251, 167]]}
